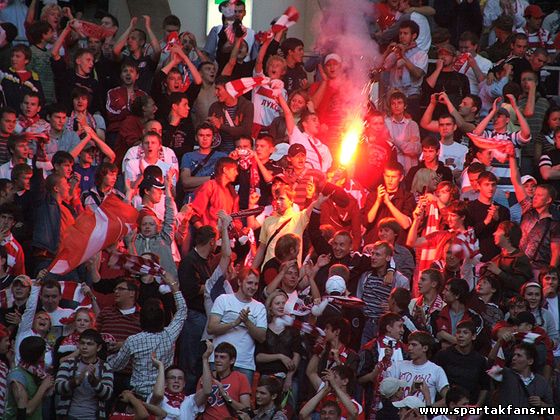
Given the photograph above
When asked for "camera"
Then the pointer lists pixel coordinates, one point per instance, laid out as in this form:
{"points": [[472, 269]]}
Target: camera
{"points": [[242, 152]]}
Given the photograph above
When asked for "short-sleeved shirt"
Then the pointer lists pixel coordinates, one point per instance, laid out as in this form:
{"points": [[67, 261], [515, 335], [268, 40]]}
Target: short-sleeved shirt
{"points": [[146, 69], [228, 307], [318, 154], [297, 224], [294, 78], [550, 159], [400, 76], [236, 385], [188, 410], [23, 377], [299, 183], [192, 159], [501, 170], [537, 235], [87, 182], [433, 375], [453, 155], [265, 104]]}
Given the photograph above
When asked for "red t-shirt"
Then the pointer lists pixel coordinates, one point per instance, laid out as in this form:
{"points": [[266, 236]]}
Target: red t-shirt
{"points": [[236, 385]]}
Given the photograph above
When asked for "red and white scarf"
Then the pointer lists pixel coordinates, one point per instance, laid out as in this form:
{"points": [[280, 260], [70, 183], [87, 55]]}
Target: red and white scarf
{"points": [[175, 399], [249, 163], [383, 342], [36, 370], [239, 87]]}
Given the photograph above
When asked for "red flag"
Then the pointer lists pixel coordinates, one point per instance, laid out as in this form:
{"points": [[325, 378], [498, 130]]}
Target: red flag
{"points": [[289, 18], [500, 147], [92, 232], [93, 30]]}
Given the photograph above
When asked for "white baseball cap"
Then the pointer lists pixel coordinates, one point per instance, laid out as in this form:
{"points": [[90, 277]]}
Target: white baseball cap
{"points": [[333, 56], [335, 284], [389, 386], [410, 402], [280, 150], [526, 178]]}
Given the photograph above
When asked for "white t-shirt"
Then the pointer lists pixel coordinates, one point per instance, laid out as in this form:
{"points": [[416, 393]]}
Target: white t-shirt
{"points": [[429, 372], [135, 167], [265, 105], [453, 155], [318, 155], [424, 39], [227, 307], [187, 411], [59, 328], [483, 64], [167, 155]]}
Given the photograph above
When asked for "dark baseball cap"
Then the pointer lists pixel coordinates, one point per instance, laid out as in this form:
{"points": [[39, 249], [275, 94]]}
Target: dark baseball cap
{"points": [[295, 149], [151, 182], [524, 317], [282, 178], [503, 111], [505, 23]]}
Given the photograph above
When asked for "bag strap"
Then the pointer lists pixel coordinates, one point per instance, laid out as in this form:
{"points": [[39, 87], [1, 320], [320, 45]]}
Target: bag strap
{"points": [[548, 223], [316, 152], [202, 163], [228, 118], [277, 231]]}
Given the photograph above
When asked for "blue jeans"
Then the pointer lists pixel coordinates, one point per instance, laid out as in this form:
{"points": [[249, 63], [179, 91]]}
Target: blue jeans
{"points": [[191, 348], [247, 372], [370, 331]]}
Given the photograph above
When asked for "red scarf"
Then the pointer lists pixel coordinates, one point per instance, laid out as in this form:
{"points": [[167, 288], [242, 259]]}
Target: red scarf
{"points": [[36, 370], [26, 122], [175, 399], [249, 163], [342, 356]]}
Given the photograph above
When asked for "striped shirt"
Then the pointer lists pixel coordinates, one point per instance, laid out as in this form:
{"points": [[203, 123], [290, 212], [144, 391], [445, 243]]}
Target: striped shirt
{"points": [[501, 170], [67, 371], [3, 386], [121, 326], [299, 183], [4, 152], [375, 293], [112, 321]]}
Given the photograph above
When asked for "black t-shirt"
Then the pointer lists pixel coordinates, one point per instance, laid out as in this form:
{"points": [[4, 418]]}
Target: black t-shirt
{"points": [[519, 64], [485, 233], [193, 273], [467, 371], [455, 84], [294, 78], [244, 178], [146, 69], [180, 138], [65, 80]]}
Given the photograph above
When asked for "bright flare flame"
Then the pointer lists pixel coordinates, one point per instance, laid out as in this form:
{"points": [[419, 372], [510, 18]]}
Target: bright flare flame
{"points": [[350, 142]]}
